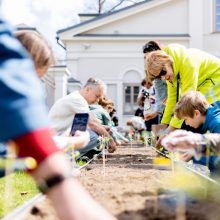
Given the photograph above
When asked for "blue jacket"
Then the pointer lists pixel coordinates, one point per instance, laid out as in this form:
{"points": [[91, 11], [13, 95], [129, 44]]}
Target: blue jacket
{"points": [[212, 125], [212, 120], [22, 107]]}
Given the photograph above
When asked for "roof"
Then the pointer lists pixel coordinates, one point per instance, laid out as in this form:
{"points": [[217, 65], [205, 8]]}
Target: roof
{"points": [[73, 80], [132, 35], [89, 15], [99, 17], [24, 27]]}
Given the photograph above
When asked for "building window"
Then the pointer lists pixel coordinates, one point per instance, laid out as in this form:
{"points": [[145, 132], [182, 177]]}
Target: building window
{"points": [[217, 15], [130, 98]]}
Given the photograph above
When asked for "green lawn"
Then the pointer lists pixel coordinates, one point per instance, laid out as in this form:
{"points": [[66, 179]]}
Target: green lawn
{"points": [[15, 189]]}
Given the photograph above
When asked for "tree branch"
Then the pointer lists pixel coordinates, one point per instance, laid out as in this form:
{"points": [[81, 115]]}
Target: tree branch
{"points": [[116, 6], [101, 3]]}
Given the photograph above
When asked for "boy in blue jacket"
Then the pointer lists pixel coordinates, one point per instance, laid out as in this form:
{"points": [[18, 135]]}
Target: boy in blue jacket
{"points": [[197, 113]]}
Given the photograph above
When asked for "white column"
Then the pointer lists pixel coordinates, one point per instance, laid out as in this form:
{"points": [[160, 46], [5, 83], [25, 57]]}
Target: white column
{"points": [[72, 64], [49, 86], [195, 20], [61, 73]]}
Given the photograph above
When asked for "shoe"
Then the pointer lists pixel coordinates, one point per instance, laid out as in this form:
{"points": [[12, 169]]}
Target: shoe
{"points": [[90, 154], [84, 159]]}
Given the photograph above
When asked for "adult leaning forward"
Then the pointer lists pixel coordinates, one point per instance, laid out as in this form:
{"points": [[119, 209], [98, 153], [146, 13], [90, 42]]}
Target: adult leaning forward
{"points": [[184, 70]]}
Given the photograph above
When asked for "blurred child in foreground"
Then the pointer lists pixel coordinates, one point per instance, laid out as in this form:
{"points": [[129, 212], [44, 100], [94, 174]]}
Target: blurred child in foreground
{"points": [[22, 105]]}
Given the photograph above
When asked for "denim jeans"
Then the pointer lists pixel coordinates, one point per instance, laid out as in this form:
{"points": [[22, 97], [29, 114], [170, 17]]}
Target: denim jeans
{"points": [[92, 145]]}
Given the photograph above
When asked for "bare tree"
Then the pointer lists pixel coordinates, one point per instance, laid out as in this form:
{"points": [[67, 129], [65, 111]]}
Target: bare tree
{"points": [[100, 5], [121, 2], [104, 6]]}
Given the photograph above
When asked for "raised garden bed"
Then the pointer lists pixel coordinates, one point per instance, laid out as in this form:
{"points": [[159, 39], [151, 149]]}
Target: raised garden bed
{"points": [[132, 188]]}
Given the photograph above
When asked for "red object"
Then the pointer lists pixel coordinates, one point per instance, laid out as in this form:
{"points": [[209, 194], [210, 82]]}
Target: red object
{"points": [[37, 144]]}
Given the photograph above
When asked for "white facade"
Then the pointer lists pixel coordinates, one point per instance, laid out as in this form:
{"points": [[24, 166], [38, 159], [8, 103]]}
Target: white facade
{"points": [[110, 46], [55, 83]]}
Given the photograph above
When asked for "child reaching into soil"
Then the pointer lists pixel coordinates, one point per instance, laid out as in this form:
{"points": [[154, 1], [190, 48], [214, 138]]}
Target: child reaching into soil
{"points": [[197, 113]]}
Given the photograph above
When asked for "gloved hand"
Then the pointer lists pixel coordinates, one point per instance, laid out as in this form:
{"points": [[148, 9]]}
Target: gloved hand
{"points": [[183, 141]]}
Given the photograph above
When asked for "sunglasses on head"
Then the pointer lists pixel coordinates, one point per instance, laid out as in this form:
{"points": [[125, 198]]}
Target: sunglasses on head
{"points": [[148, 48], [162, 73]]}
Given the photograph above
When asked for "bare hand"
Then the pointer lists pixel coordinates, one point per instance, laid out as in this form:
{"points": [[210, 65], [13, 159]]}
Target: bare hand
{"points": [[107, 128], [66, 133], [152, 99], [82, 138], [112, 146], [158, 144], [79, 140], [149, 116]]}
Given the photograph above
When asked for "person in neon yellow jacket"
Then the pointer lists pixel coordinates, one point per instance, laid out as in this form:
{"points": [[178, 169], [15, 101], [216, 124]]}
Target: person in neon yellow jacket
{"points": [[193, 69]]}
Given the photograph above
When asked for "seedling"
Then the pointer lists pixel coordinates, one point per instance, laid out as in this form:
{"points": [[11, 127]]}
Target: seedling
{"points": [[69, 150], [147, 138], [104, 141], [131, 142]]}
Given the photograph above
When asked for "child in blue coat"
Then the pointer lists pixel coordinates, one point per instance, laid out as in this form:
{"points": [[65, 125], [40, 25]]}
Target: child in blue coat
{"points": [[197, 113]]}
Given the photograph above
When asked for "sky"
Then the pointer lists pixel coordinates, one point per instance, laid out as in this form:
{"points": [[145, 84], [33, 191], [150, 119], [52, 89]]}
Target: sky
{"points": [[47, 16]]}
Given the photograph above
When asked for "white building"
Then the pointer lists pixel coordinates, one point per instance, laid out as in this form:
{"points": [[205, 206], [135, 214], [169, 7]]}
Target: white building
{"points": [[109, 46]]}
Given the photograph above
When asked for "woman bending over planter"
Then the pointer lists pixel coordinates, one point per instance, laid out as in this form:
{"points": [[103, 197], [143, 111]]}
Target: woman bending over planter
{"points": [[184, 70]]}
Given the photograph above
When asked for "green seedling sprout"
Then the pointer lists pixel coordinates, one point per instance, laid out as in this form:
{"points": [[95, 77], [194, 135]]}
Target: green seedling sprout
{"points": [[131, 141], [100, 139], [104, 141], [103, 157], [147, 138], [69, 150]]}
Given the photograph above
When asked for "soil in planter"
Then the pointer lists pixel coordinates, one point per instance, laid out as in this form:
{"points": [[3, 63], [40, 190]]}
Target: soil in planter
{"points": [[133, 189]]}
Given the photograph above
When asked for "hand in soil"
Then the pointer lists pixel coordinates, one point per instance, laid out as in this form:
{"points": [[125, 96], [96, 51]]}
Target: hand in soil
{"points": [[158, 143], [112, 146]]}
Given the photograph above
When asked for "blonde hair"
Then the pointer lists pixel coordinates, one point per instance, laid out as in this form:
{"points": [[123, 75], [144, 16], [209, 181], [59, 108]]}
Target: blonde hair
{"points": [[154, 63], [190, 102], [37, 47]]}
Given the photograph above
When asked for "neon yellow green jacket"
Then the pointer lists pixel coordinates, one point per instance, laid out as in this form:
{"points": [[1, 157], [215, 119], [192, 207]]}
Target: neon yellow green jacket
{"points": [[198, 70]]}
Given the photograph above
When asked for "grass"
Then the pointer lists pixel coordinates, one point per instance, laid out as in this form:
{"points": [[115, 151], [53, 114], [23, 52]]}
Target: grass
{"points": [[80, 162], [15, 189]]}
